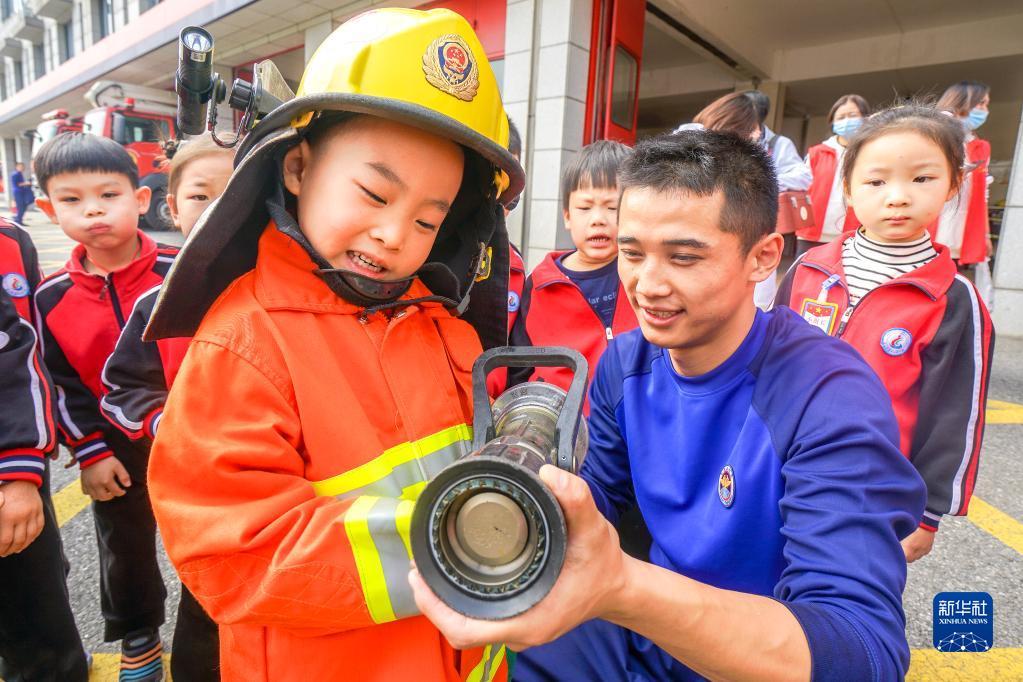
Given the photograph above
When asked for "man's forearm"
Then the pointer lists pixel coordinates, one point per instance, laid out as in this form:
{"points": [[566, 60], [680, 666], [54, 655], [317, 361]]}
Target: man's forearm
{"points": [[721, 634]]}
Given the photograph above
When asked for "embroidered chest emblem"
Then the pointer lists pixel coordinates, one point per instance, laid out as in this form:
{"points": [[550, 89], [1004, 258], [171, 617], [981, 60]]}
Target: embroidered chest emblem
{"points": [[15, 285], [896, 341], [449, 66], [726, 486]]}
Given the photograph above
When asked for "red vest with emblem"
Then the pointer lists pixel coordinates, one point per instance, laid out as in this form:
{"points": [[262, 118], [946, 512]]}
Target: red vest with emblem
{"points": [[15, 269], [824, 165], [975, 233]]}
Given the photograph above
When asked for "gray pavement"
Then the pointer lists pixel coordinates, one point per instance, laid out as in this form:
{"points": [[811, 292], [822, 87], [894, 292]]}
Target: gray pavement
{"points": [[965, 558]]}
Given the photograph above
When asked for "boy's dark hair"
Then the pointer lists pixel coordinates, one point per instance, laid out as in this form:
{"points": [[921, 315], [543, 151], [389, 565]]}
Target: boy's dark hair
{"points": [[858, 101], [702, 162], [960, 97], [940, 128], [514, 139], [596, 165], [75, 152], [761, 102]]}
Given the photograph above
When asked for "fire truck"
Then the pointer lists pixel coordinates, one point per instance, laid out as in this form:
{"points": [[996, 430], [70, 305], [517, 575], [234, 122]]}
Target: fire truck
{"points": [[137, 117]]}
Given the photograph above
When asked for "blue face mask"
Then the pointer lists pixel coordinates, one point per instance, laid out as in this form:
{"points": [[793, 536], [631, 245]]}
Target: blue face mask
{"points": [[846, 127], [975, 119]]}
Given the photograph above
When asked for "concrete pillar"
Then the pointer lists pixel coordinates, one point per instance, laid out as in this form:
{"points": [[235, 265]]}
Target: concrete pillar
{"points": [[314, 35], [546, 67], [1008, 275]]}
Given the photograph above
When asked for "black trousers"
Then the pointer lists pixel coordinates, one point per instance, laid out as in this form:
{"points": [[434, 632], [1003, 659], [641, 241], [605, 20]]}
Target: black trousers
{"points": [[38, 637], [131, 587], [195, 655]]}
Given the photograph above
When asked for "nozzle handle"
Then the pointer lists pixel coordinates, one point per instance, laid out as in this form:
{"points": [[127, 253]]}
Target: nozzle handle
{"points": [[531, 356]]}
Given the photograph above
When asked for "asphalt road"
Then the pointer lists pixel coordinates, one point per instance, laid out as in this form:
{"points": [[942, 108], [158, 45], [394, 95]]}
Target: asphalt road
{"points": [[977, 554]]}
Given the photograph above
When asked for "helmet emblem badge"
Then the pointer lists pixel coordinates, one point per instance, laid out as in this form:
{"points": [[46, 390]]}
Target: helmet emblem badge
{"points": [[449, 66]]}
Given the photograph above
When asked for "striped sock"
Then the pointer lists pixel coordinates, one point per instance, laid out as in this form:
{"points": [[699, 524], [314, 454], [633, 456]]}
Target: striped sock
{"points": [[141, 658]]}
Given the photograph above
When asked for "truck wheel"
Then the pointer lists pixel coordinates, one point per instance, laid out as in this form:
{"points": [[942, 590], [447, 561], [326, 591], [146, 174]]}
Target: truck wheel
{"points": [[158, 217]]}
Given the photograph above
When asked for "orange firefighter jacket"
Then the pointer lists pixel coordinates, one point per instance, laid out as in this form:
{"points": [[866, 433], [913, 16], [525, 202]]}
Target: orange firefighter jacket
{"points": [[294, 443]]}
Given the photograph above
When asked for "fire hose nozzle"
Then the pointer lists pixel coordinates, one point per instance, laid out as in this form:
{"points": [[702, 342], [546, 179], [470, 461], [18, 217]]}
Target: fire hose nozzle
{"points": [[487, 535]]}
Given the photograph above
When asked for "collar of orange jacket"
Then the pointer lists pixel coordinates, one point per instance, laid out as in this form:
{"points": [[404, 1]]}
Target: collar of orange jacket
{"points": [[286, 279]]}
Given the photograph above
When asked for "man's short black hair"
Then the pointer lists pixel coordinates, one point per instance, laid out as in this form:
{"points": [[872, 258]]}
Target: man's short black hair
{"points": [[596, 165], [514, 140], [75, 152], [702, 162]]}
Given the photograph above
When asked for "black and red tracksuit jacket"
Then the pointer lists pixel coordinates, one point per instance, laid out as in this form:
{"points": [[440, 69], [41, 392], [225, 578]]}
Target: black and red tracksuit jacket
{"points": [[138, 374], [929, 337], [497, 381], [554, 312], [26, 392], [80, 316]]}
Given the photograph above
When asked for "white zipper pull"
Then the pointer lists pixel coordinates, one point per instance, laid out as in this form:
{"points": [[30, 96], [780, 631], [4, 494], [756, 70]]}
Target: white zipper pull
{"points": [[845, 318], [608, 333]]}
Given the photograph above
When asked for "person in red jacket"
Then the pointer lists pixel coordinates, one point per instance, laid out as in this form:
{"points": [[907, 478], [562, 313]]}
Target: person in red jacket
{"points": [[963, 225], [139, 374], [92, 192], [831, 216], [38, 636], [896, 297], [574, 298]]}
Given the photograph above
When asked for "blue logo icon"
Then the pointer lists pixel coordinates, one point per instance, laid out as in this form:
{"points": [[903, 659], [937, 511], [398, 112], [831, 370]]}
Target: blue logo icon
{"points": [[963, 621], [896, 341], [15, 285], [513, 301], [726, 486]]}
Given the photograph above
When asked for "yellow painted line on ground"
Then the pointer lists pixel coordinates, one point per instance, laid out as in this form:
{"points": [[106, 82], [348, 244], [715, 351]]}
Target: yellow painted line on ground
{"points": [[106, 666], [1001, 412], [69, 501], [999, 524], [931, 665]]}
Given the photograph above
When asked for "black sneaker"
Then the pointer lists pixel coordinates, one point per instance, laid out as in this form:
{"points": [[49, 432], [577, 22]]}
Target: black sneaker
{"points": [[141, 657]]}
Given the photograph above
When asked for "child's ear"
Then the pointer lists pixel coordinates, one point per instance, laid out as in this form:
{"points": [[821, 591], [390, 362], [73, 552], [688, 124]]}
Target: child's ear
{"points": [[296, 161], [564, 214], [172, 204], [46, 206], [143, 195], [765, 256]]}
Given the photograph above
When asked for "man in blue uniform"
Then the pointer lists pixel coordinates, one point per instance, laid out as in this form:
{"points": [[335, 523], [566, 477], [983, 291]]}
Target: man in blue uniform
{"points": [[763, 456]]}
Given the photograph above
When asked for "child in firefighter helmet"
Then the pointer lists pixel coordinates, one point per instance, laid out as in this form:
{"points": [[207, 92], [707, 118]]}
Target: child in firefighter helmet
{"points": [[329, 376]]}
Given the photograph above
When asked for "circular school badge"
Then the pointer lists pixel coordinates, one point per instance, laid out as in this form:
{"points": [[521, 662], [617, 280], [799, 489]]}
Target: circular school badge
{"points": [[513, 301], [896, 341], [4, 338], [449, 66], [15, 285], [726, 486]]}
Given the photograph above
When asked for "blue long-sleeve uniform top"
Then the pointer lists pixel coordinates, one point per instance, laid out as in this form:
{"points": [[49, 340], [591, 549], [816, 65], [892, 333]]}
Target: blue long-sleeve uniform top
{"points": [[820, 495]]}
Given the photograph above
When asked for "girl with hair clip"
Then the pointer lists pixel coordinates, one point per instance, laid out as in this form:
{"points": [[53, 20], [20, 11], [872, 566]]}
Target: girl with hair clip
{"points": [[831, 215], [963, 224]]}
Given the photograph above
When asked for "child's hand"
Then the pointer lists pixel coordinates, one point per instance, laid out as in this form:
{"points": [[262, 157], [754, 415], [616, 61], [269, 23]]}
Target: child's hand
{"points": [[918, 544], [21, 516], [105, 480]]}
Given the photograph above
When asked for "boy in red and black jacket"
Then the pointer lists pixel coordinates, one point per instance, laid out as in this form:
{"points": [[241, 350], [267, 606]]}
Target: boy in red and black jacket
{"points": [[92, 192], [38, 636], [896, 297], [574, 298]]}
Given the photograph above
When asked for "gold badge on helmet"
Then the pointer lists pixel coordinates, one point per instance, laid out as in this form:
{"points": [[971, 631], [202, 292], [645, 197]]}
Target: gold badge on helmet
{"points": [[449, 66]]}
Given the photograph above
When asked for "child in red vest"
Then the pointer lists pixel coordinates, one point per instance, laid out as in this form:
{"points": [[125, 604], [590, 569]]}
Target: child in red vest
{"points": [[896, 297], [92, 192], [574, 298], [963, 225], [139, 374]]}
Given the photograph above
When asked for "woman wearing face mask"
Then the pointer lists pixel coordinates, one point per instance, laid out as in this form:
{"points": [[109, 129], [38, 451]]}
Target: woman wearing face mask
{"points": [[963, 225], [831, 216]]}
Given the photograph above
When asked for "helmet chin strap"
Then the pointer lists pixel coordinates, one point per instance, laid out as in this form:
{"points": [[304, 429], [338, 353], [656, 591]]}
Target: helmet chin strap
{"points": [[374, 295]]}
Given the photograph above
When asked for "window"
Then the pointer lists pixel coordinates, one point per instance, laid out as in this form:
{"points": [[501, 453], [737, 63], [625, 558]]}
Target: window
{"points": [[623, 89], [65, 42], [6, 8], [102, 18], [145, 5], [38, 60], [138, 129], [19, 76]]}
